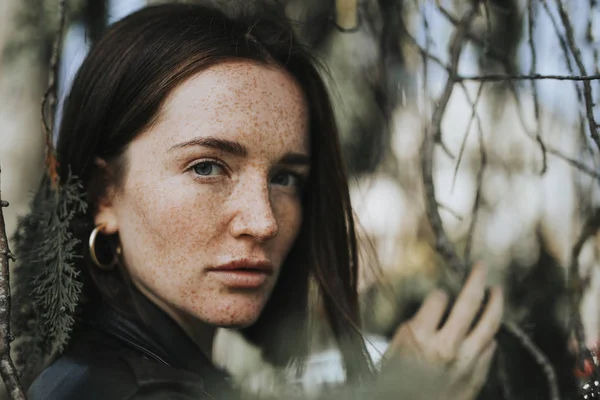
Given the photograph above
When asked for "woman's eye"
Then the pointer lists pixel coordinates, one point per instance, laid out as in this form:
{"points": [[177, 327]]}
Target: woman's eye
{"points": [[207, 168], [287, 179]]}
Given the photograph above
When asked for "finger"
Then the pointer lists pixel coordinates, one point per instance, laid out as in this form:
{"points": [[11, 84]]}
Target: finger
{"points": [[480, 371], [427, 319], [488, 325], [466, 307]]}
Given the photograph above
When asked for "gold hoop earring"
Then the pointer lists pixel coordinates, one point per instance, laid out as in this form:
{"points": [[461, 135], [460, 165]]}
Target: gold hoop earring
{"points": [[94, 257]]}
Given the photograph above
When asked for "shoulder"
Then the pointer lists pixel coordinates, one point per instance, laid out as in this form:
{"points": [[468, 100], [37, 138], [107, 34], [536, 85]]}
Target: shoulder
{"points": [[112, 371]]}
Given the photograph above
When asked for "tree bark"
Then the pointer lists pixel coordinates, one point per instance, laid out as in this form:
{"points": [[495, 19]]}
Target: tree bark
{"points": [[23, 73]]}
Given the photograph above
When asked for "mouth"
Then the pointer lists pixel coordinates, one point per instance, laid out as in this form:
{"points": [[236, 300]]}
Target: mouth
{"points": [[243, 273]]}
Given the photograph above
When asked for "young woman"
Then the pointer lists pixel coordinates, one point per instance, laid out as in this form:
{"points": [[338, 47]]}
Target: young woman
{"points": [[216, 197]]}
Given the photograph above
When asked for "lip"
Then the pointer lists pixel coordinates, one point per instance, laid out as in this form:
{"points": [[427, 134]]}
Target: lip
{"points": [[243, 273]]}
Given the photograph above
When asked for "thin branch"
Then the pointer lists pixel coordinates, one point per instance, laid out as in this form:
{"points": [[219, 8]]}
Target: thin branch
{"points": [[49, 98], [443, 245], [476, 203], [590, 35], [563, 45], [550, 150], [451, 211], [425, 55], [7, 368], [482, 152], [497, 77], [565, 50], [488, 51], [474, 114], [539, 357], [587, 88], [530, 77], [574, 163], [536, 103], [463, 143]]}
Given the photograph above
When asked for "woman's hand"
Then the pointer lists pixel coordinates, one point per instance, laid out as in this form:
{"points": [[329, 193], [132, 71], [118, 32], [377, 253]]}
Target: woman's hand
{"points": [[458, 355]]}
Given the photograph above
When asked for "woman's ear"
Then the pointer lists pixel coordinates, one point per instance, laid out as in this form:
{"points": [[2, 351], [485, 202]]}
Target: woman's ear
{"points": [[105, 210]]}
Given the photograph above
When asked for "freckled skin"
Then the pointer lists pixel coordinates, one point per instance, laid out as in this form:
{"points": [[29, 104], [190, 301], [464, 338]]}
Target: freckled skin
{"points": [[174, 224]]}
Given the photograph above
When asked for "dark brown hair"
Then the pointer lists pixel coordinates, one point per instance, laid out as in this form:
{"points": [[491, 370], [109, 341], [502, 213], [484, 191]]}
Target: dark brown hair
{"points": [[119, 90]]}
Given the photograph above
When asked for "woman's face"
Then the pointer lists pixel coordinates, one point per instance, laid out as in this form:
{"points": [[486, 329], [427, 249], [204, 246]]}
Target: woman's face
{"points": [[211, 202]]}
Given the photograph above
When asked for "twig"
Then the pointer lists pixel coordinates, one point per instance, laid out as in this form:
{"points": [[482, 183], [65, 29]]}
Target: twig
{"points": [[451, 211], [443, 244], [565, 50], [488, 51], [536, 103], [550, 150], [463, 144], [574, 163], [590, 35], [7, 368], [530, 77], [479, 179], [503, 376], [587, 89], [483, 155], [482, 152], [425, 55], [538, 356], [498, 77], [49, 98]]}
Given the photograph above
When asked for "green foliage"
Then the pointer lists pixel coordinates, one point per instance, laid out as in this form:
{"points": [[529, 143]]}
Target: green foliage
{"points": [[46, 284]]}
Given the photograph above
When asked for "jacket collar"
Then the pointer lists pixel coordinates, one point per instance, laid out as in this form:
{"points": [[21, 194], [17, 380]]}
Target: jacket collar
{"points": [[159, 337]]}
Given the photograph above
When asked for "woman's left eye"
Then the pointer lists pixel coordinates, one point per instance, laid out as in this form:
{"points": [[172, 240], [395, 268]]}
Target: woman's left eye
{"points": [[287, 179]]}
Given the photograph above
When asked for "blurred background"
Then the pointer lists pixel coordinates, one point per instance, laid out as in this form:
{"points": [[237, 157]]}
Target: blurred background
{"points": [[515, 165]]}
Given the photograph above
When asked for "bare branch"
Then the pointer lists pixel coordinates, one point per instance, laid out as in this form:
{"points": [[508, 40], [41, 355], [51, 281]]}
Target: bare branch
{"points": [[536, 103], [587, 89], [7, 368], [574, 163], [49, 98], [451, 211], [443, 245], [488, 51], [425, 55], [538, 356], [474, 213], [530, 77]]}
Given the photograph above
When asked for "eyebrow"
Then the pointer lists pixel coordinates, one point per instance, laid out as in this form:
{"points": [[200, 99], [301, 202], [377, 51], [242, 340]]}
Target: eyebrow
{"points": [[227, 146], [239, 150]]}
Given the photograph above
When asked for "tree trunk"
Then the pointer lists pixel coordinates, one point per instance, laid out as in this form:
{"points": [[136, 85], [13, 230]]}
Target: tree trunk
{"points": [[23, 73]]}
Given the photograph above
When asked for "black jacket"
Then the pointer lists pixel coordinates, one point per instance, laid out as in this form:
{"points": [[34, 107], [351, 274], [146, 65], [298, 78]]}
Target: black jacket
{"points": [[111, 357]]}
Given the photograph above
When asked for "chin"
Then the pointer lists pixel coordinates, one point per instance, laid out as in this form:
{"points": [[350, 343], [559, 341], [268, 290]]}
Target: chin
{"points": [[233, 313], [237, 322]]}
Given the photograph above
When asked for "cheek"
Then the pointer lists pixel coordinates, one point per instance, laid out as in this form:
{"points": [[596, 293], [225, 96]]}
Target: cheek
{"points": [[161, 225], [289, 216]]}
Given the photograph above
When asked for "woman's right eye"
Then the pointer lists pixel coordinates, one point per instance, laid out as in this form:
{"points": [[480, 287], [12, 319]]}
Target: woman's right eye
{"points": [[207, 168]]}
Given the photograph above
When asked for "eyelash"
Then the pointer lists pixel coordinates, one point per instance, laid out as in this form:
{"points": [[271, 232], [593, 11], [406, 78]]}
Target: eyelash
{"points": [[212, 161], [300, 179]]}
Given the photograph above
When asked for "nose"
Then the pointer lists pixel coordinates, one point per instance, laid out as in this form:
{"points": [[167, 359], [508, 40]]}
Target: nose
{"points": [[254, 215]]}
